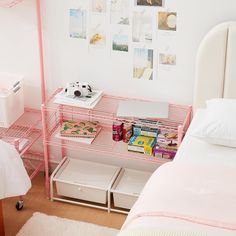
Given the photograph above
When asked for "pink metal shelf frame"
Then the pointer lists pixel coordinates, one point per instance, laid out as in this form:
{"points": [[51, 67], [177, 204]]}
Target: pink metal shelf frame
{"points": [[105, 112]]}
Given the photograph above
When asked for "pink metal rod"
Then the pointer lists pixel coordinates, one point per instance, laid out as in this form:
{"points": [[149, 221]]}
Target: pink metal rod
{"points": [[41, 56], [46, 149]]}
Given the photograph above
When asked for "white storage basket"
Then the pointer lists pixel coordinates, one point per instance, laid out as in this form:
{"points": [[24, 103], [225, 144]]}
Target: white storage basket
{"points": [[11, 99], [85, 180], [128, 187]]}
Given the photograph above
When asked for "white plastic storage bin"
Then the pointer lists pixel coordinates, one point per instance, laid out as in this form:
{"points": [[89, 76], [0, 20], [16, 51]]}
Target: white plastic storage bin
{"points": [[128, 187], [85, 180], [11, 99]]}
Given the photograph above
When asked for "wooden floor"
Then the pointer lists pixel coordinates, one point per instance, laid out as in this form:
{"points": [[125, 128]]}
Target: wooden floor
{"points": [[36, 201]]}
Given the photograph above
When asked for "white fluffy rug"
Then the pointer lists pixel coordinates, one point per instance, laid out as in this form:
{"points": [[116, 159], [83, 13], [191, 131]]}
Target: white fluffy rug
{"points": [[43, 225]]}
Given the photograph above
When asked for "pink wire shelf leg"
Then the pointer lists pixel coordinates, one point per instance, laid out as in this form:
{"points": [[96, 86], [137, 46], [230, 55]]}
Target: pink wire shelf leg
{"points": [[46, 149]]}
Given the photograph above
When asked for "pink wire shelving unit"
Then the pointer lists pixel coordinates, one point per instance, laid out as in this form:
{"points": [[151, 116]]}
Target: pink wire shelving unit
{"points": [[27, 130], [105, 112]]}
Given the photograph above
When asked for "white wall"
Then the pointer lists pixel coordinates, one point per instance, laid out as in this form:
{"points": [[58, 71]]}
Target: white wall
{"points": [[68, 59]]}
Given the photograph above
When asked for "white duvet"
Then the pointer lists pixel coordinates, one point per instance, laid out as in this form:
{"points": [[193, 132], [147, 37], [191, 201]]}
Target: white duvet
{"points": [[14, 180]]}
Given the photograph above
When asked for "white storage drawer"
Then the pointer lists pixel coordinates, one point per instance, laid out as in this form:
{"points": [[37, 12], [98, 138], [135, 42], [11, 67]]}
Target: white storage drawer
{"points": [[11, 99], [128, 187], [85, 180]]}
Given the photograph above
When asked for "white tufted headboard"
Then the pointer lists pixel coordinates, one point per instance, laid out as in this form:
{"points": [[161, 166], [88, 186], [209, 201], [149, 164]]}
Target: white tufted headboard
{"points": [[216, 65]]}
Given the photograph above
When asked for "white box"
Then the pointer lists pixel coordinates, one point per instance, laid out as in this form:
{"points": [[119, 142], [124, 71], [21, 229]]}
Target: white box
{"points": [[84, 180], [128, 187], [11, 99]]}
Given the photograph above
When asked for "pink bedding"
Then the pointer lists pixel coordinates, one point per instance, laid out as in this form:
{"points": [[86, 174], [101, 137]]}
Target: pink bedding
{"points": [[189, 192]]}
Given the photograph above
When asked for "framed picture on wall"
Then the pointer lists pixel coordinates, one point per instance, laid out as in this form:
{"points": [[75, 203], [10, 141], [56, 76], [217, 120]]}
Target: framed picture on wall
{"points": [[153, 3]]}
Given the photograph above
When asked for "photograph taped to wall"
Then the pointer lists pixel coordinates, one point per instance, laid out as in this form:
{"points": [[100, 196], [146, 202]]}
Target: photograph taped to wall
{"points": [[143, 64], [97, 30], [142, 27], [153, 3], [120, 12], [120, 41], [78, 23], [98, 6], [167, 59], [167, 21]]}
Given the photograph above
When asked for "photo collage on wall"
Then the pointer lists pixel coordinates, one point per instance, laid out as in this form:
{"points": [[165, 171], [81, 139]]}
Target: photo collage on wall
{"points": [[141, 29]]}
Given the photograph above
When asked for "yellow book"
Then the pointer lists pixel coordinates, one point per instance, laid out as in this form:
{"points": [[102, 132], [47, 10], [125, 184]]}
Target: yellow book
{"points": [[142, 144]]}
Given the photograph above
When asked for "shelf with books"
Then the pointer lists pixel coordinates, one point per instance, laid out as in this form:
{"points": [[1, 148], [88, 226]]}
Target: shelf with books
{"points": [[105, 113]]}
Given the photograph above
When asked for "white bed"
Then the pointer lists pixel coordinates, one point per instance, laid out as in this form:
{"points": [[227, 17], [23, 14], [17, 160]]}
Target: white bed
{"points": [[193, 149], [216, 78]]}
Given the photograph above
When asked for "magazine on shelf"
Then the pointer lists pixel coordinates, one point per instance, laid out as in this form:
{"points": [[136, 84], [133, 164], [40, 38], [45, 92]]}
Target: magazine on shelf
{"points": [[83, 102], [82, 128], [78, 139], [79, 131]]}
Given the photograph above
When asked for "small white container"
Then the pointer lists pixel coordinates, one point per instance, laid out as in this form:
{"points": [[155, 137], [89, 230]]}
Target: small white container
{"points": [[85, 180], [128, 187], [11, 99]]}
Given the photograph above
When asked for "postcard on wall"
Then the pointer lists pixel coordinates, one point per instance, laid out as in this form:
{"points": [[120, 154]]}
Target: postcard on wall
{"points": [[97, 31], [78, 23], [142, 27], [152, 3], [143, 64], [120, 12], [98, 6], [120, 41], [167, 21], [167, 59]]}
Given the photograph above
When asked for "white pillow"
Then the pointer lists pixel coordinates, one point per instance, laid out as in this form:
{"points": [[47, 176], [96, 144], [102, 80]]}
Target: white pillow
{"points": [[219, 125]]}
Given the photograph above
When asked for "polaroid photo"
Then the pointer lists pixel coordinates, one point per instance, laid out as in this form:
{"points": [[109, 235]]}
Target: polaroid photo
{"points": [[143, 64], [142, 27], [167, 21], [120, 12], [78, 23], [152, 3]]}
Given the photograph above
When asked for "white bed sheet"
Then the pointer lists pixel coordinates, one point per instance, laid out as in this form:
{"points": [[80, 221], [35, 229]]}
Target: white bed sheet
{"points": [[193, 150], [14, 180]]}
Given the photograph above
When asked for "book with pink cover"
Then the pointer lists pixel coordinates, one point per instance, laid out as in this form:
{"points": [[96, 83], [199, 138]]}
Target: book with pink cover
{"points": [[85, 129]]}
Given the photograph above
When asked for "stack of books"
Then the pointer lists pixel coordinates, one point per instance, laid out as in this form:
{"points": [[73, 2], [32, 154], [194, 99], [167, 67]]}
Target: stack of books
{"points": [[88, 102], [141, 144], [79, 131], [167, 145]]}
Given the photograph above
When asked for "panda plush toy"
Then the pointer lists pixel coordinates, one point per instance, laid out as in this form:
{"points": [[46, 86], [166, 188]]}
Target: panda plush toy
{"points": [[78, 89]]}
